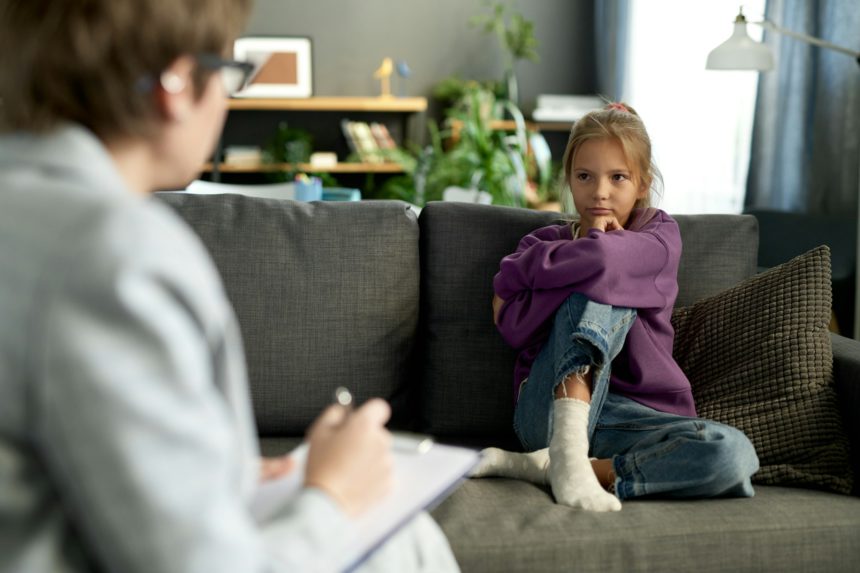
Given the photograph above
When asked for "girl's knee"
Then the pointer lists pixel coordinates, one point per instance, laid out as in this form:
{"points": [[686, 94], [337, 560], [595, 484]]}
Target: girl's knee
{"points": [[601, 326], [732, 459]]}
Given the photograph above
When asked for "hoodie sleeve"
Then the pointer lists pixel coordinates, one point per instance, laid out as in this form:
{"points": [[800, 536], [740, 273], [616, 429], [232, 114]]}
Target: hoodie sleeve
{"points": [[621, 268]]}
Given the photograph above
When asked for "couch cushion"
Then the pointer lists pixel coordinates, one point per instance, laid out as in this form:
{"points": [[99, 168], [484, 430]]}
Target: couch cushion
{"points": [[326, 295], [759, 358], [719, 251], [467, 368], [505, 525]]}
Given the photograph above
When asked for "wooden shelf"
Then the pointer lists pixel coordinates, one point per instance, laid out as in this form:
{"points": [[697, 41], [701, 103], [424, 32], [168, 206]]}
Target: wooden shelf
{"points": [[340, 106], [308, 168], [379, 104], [510, 125], [553, 125]]}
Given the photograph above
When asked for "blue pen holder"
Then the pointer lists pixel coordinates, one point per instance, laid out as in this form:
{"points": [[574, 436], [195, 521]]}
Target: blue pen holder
{"points": [[309, 190]]}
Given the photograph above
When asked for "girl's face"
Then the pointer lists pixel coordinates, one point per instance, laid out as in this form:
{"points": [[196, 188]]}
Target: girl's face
{"points": [[602, 183]]}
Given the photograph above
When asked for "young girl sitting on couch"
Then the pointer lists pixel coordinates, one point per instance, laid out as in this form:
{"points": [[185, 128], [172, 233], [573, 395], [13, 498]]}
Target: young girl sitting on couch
{"points": [[589, 306]]}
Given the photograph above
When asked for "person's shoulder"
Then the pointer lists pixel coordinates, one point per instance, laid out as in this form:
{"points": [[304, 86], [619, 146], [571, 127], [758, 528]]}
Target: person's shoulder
{"points": [[139, 241], [663, 227], [553, 232], [657, 221], [149, 235]]}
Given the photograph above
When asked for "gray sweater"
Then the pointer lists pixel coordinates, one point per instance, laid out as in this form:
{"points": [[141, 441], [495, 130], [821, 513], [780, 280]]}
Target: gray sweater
{"points": [[127, 441]]}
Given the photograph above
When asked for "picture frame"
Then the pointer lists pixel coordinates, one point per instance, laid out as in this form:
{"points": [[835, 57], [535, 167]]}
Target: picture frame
{"points": [[282, 66]]}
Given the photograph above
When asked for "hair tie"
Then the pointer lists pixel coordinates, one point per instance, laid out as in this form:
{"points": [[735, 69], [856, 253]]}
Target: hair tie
{"points": [[618, 106]]}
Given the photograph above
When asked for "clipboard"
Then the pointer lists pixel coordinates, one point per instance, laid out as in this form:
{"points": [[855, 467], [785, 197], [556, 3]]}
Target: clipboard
{"points": [[423, 475]]}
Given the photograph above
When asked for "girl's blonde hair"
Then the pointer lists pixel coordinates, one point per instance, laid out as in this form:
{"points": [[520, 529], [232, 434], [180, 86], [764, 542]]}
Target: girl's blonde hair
{"points": [[618, 121]]}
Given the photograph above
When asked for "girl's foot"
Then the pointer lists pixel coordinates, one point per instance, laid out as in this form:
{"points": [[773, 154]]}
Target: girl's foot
{"points": [[570, 473], [530, 467]]}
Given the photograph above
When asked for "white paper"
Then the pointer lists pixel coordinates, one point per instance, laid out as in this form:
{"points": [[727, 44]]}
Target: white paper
{"points": [[421, 481], [280, 191]]}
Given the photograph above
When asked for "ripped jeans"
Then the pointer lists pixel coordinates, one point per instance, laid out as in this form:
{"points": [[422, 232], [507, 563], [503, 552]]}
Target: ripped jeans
{"points": [[653, 453]]}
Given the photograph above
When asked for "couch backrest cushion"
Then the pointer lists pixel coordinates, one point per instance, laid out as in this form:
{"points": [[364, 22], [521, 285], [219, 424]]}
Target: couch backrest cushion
{"points": [[719, 252], [326, 295], [466, 368]]}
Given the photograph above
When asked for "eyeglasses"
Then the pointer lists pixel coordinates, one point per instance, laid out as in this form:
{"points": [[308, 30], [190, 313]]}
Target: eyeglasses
{"points": [[234, 75]]}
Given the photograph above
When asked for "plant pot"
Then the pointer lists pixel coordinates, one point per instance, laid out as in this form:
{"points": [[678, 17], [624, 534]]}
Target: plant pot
{"points": [[512, 87]]}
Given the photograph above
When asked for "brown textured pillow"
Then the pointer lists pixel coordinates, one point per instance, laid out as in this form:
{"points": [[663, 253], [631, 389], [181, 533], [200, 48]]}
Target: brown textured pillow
{"points": [[759, 358]]}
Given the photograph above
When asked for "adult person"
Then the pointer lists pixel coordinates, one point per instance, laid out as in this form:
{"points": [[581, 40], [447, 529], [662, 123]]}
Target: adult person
{"points": [[127, 440]]}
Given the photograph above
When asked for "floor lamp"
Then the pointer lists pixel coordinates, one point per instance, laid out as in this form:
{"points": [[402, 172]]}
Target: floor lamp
{"points": [[740, 52]]}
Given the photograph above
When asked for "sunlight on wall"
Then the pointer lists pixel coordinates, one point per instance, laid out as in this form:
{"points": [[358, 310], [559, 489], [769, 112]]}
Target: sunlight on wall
{"points": [[700, 121]]}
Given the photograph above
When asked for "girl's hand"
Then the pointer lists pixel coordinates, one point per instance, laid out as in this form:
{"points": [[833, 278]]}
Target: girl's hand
{"points": [[273, 468], [497, 306], [606, 223]]}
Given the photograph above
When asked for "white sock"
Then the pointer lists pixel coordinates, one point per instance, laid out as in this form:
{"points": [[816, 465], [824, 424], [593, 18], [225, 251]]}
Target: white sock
{"points": [[570, 475], [530, 467]]}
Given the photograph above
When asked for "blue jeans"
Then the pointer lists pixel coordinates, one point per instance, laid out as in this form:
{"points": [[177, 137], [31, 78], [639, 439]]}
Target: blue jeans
{"points": [[653, 453]]}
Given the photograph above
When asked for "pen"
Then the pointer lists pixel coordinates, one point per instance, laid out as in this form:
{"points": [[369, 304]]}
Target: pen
{"points": [[343, 397], [400, 441]]}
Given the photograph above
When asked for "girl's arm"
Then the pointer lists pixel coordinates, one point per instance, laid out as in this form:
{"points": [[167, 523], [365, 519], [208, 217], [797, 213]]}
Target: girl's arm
{"points": [[621, 268], [550, 233]]}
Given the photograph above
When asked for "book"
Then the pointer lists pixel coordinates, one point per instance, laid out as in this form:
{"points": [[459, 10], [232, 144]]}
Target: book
{"points": [[564, 108], [382, 136], [347, 135], [366, 143], [360, 139], [243, 156], [424, 474]]}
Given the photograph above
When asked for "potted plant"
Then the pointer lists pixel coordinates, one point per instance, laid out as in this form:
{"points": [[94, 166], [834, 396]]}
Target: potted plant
{"points": [[516, 38], [468, 153]]}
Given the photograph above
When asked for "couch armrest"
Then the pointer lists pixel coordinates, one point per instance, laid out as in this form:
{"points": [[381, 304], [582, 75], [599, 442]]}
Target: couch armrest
{"points": [[846, 374]]}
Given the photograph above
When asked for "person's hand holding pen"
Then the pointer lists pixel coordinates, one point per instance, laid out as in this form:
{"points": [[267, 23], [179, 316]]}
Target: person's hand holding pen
{"points": [[350, 453]]}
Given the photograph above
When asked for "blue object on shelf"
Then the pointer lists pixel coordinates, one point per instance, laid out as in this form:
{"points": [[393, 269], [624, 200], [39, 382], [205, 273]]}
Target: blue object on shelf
{"points": [[309, 190], [340, 194]]}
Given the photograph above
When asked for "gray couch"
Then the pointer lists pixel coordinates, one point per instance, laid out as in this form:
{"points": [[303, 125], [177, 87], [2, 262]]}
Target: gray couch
{"points": [[369, 296]]}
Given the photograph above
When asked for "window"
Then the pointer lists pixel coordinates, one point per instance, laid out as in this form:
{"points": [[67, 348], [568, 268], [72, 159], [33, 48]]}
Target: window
{"points": [[700, 121]]}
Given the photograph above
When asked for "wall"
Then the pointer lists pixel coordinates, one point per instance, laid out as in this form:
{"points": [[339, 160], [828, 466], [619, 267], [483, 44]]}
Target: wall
{"points": [[351, 37]]}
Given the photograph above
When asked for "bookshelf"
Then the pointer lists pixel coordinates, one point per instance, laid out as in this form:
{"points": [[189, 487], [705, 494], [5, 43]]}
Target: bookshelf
{"points": [[249, 122], [342, 167], [382, 104]]}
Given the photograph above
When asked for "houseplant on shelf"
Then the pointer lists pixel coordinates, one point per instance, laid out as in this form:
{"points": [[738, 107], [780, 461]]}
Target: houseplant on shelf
{"points": [[286, 150], [469, 153]]}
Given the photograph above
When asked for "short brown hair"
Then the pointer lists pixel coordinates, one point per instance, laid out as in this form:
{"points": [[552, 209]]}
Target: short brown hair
{"points": [[91, 61], [618, 121]]}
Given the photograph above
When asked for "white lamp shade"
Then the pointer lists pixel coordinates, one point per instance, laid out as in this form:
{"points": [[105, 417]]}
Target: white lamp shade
{"points": [[740, 52]]}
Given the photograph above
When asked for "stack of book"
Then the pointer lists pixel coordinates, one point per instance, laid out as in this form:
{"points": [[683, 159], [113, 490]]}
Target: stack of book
{"points": [[565, 107], [243, 156], [368, 141]]}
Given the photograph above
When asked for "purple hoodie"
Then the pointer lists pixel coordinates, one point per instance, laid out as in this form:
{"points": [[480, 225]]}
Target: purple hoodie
{"points": [[631, 268]]}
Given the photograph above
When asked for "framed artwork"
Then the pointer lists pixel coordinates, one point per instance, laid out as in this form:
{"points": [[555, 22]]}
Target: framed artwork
{"points": [[282, 66]]}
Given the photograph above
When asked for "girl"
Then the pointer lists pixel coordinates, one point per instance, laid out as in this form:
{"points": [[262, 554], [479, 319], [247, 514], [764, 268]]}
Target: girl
{"points": [[589, 306]]}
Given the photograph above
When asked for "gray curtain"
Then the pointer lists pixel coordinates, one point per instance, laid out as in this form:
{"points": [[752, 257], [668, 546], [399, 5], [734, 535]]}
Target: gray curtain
{"points": [[806, 137], [611, 22]]}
